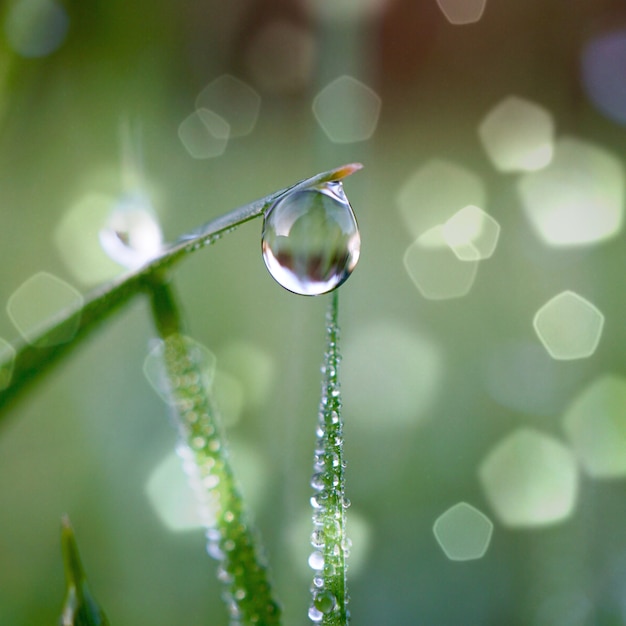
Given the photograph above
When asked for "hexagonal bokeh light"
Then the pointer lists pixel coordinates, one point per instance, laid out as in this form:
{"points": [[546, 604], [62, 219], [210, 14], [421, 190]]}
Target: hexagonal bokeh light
{"points": [[569, 326], [463, 532], [172, 496], [36, 304], [472, 234], [7, 360], [253, 366], [435, 192], [595, 424], [347, 110], [389, 370], [578, 198], [233, 101], [436, 269], [36, 28], [518, 135], [204, 134], [461, 12], [530, 479], [602, 65]]}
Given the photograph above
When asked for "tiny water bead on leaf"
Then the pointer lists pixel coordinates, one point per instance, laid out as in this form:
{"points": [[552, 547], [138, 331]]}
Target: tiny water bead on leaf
{"points": [[311, 241], [132, 235]]}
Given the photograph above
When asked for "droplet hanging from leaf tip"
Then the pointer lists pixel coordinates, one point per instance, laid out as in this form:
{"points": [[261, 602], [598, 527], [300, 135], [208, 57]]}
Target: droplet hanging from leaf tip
{"points": [[311, 241]]}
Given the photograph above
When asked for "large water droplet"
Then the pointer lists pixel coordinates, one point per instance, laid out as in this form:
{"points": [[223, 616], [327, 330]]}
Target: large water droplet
{"points": [[311, 240]]}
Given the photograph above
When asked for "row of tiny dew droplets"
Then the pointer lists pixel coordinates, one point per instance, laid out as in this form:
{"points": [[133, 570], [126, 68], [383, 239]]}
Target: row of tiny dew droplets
{"points": [[244, 573], [329, 596]]}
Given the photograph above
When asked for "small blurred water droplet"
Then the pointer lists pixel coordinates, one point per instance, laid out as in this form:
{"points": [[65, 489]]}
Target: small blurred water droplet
{"points": [[317, 539], [311, 241], [315, 615], [132, 236], [316, 561], [317, 482]]}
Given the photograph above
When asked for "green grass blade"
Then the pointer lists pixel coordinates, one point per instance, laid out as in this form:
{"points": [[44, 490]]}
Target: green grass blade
{"points": [[330, 599], [30, 363], [231, 539], [80, 609]]}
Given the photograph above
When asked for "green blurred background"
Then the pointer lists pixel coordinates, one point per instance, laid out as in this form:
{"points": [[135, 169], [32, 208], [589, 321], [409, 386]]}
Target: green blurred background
{"points": [[431, 387]]}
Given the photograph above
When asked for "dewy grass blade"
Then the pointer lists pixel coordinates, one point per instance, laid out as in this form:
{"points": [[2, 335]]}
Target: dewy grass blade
{"points": [[29, 362], [329, 540], [230, 537]]}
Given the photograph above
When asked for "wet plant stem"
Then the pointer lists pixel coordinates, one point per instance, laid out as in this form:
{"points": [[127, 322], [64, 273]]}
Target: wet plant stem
{"points": [[230, 537], [330, 599]]}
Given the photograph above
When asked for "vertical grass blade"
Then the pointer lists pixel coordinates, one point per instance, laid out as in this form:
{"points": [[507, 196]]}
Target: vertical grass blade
{"points": [[329, 594], [80, 608], [230, 537]]}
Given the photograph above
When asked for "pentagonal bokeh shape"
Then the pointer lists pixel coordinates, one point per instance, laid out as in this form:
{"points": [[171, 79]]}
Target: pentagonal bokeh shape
{"points": [[578, 198], [568, 326], [435, 192], [204, 134], [38, 305], [463, 532], [472, 234], [595, 424], [7, 361], [530, 479], [347, 110], [518, 135], [233, 101], [461, 12], [436, 270]]}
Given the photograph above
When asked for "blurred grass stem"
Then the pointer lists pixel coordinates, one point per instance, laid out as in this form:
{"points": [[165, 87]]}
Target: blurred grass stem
{"points": [[231, 539]]}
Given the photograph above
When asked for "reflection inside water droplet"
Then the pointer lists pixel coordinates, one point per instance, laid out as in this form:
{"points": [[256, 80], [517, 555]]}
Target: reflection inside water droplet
{"points": [[310, 240]]}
